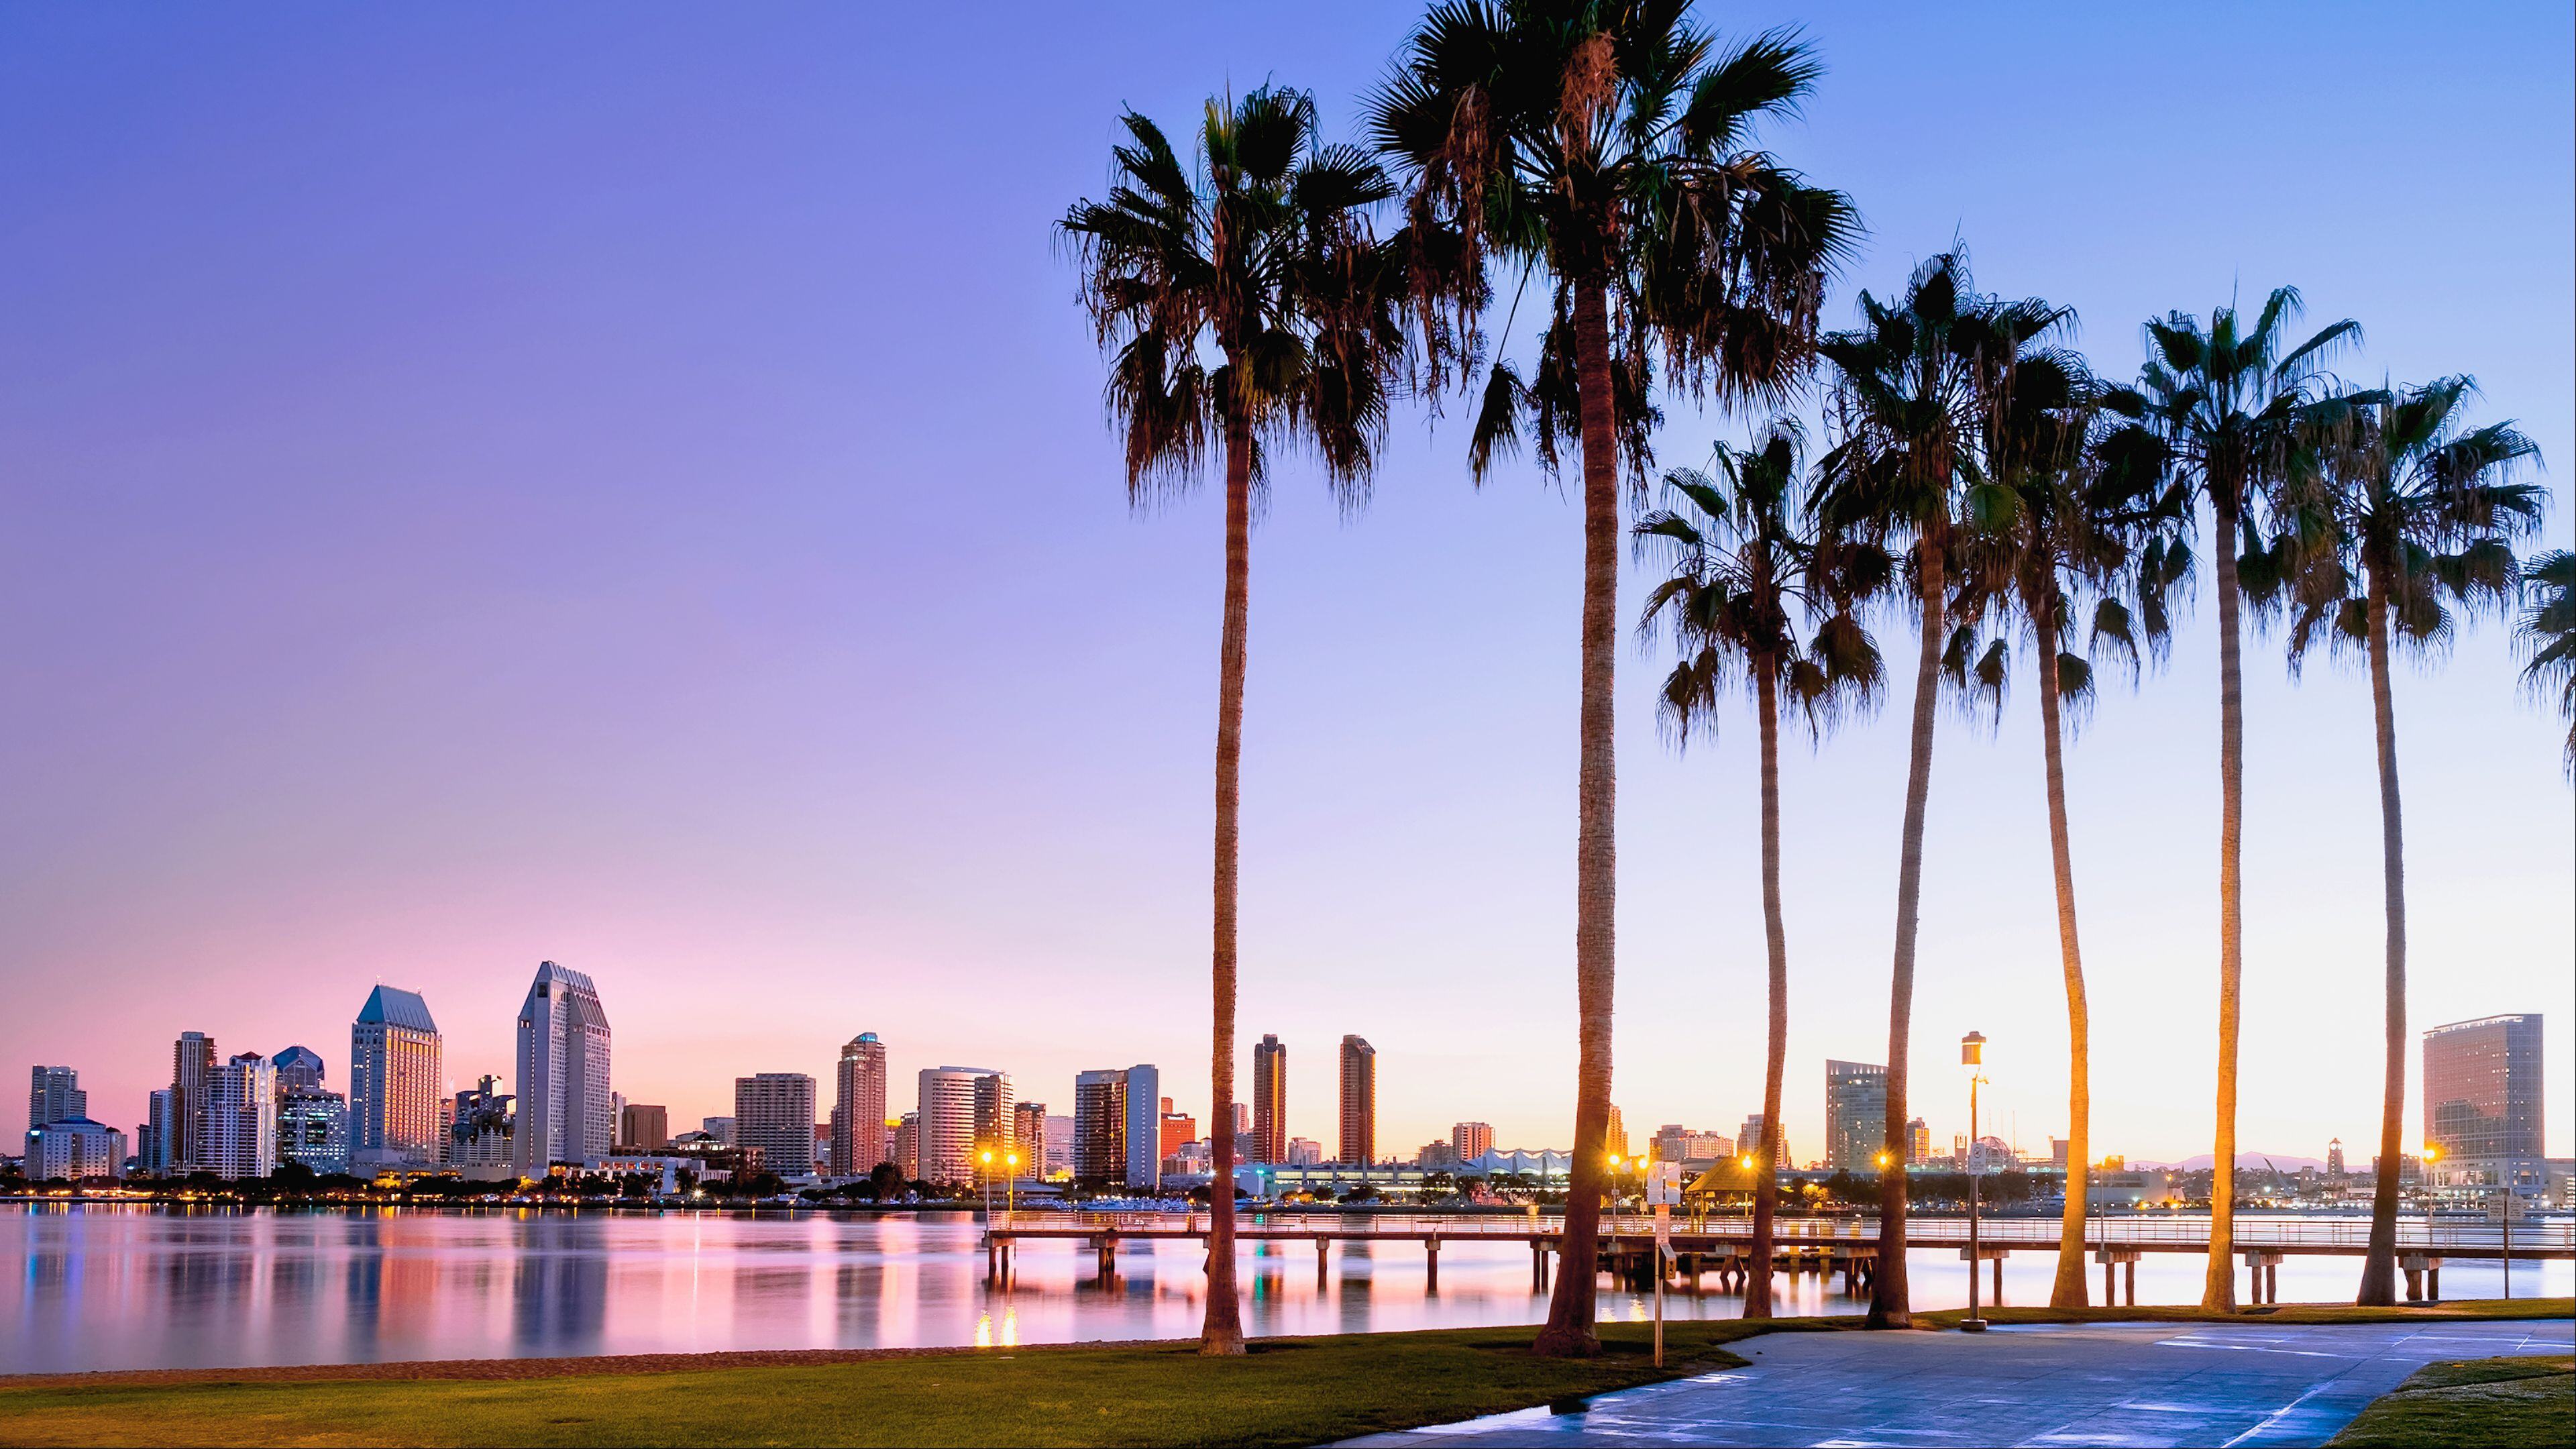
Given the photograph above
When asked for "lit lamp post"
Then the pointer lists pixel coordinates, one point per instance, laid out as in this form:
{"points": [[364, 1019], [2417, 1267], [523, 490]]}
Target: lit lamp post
{"points": [[1972, 1055]]}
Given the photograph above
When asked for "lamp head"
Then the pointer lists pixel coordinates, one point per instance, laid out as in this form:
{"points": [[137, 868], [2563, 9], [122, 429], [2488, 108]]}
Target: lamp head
{"points": [[1972, 1049]]}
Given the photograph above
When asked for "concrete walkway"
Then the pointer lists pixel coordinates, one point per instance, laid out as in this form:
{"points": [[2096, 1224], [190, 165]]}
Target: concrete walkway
{"points": [[2090, 1384]]}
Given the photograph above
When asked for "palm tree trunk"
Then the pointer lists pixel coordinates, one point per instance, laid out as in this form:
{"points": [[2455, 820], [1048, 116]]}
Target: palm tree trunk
{"points": [[2218, 1283], [1890, 1306], [2069, 1290], [1569, 1328], [2379, 1267], [1766, 1183], [1223, 1331]]}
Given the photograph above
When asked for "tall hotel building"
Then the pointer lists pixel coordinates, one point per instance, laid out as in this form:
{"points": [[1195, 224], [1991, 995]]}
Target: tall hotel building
{"points": [[1118, 1126], [1855, 1115], [774, 1111], [1269, 1104], [859, 1107], [395, 1071], [192, 1070], [1029, 1138], [564, 1111], [54, 1095], [963, 1109], [241, 1118], [1359, 1103], [2482, 1102]]}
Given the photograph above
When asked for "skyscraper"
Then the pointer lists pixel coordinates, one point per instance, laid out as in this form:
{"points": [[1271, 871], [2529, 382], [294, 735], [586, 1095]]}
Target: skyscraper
{"points": [[1471, 1140], [1918, 1143], [192, 1069], [2334, 1158], [996, 1117], [1359, 1102], [312, 1127], [1100, 1126], [297, 1067], [240, 1120], [157, 1144], [1144, 1127], [564, 1114], [1269, 1103], [54, 1095], [2482, 1099], [1748, 1139], [859, 1107], [644, 1127], [395, 1071], [774, 1111], [1855, 1115], [955, 1101], [1029, 1137], [906, 1133]]}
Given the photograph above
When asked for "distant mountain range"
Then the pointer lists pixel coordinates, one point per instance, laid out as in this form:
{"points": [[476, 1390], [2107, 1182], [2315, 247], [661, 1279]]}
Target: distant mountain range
{"points": [[2251, 1162]]}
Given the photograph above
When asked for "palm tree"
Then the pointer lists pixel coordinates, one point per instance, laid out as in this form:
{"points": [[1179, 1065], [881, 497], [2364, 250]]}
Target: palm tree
{"points": [[2078, 509], [1245, 306], [2402, 515], [1606, 143], [1912, 387], [2229, 401], [1743, 564], [2548, 635]]}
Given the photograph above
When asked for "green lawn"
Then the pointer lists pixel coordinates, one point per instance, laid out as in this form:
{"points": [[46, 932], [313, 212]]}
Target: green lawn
{"points": [[1287, 1391], [2487, 1403]]}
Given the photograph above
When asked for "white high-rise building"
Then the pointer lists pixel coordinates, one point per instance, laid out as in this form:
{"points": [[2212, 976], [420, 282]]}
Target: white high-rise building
{"points": [[68, 1149], [564, 1109], [396, 1059], [952, 1100], [241, 1118]]}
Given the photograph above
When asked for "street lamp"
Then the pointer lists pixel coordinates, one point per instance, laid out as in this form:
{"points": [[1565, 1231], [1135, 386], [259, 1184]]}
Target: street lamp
{"points": [[987, 1158], [1972, 1055]]}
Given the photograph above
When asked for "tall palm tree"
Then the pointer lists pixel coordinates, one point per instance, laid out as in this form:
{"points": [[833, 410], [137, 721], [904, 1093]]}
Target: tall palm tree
{"points": [[1246, 304], [2404, 515], [2547, 633], [2079, 511], [1744, 562], [2229, 399], [1605, 142], [1912, 387]]}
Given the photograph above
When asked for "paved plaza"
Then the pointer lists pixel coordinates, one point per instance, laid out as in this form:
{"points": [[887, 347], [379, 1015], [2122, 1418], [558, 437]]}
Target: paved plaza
{"points": [[2088, 1384]]}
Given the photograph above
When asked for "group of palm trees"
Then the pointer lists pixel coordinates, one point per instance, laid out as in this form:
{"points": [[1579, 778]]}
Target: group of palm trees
{"points": [[1278, 292]]}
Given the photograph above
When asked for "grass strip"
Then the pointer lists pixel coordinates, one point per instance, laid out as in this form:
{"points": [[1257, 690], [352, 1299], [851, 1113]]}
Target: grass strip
{"points": [[2486, 1403], [1286, 1391]]}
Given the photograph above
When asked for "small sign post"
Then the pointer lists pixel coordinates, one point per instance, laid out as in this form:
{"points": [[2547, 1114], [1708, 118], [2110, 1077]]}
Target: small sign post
{"points": [[1663, 1189]]}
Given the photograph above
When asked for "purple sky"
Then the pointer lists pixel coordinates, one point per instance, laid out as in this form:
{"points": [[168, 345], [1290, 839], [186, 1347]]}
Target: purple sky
{"points": [[628, 486]]}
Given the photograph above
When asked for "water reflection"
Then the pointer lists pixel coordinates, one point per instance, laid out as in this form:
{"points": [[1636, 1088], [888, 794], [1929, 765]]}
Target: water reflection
{"points": [[103, 1286]]}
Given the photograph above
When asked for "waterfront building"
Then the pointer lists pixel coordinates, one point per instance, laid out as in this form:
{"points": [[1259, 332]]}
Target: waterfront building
{"points": [[483, 1126], [1059, 1146], [2482, 1103], [859, 1106], [2334, 1158], [1918, 1143], [719, 1129], [1359, 1101], [2059, 1149], [298, 1068], [1855, 1115], [70, 1149], [996, 1115], [906, 1131], [396, 1072], [1269, 1103], [1029, 1138], [1616, 1139], [1100, 1126], [240, 1120], [1748, 1138], [312, 1127], [563, 1076], [54, 1095], [957, 1104], [1471, 1139], [192, 1070], [1304, 1152], [643, 1127], [1436, 1156], [157, 1140], [1242, 1122], [1178, 1130], [1144, 1128], [774, 1111]]}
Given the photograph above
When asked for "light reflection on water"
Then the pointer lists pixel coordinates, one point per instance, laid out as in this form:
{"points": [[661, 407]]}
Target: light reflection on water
{"points": [[111, 1287]]}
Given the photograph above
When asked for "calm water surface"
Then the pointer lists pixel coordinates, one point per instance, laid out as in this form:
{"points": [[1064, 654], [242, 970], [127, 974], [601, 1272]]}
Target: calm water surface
{"points": [[119, 1287]]}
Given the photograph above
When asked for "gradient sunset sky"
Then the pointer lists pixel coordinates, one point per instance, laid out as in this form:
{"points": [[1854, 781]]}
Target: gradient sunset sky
{"points": [[628, 486]]}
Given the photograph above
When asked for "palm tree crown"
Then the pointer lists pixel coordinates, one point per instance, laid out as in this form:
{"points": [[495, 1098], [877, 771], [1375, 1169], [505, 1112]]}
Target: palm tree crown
{"points": [[2548, 634]]}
